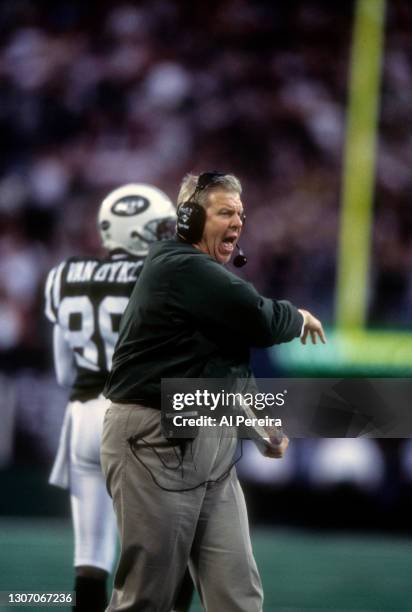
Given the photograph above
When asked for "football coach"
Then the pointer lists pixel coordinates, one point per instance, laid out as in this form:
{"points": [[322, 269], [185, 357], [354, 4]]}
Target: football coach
{"points": [[187, 317]]}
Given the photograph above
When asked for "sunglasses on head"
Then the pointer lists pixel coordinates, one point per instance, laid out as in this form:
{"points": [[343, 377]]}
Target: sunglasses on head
{"points": [[205, 179]]}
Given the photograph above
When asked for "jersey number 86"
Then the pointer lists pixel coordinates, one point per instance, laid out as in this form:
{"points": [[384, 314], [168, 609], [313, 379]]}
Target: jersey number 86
{"points": [[91, 330]]}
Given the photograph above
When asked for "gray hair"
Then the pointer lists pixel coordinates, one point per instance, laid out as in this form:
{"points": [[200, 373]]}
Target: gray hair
{"points": [[227, 182]]}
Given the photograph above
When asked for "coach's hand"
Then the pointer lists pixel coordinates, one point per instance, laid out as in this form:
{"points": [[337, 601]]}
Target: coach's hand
{"points": [[278, 446], [312, 326]]}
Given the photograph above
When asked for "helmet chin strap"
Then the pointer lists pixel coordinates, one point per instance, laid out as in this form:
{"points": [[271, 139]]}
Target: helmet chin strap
{"points": [[138, 243]]}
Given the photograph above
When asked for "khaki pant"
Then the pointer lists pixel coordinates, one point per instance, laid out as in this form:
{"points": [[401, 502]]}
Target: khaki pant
{"points": [[162, 531]]}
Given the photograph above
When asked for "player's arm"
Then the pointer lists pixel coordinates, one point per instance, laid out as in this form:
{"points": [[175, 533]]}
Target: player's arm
{"points": [[62, 353], [63, 359]]}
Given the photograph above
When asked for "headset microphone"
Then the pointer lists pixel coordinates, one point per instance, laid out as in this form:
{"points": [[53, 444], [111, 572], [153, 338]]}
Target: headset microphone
{"points": [[240, 260]]}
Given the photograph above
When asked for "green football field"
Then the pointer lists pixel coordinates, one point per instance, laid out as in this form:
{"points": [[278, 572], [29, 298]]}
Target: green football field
{"points": [[300, 570]]}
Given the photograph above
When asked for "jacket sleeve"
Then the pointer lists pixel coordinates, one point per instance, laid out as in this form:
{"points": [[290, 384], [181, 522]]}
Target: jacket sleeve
{"points": [[219, 300]]}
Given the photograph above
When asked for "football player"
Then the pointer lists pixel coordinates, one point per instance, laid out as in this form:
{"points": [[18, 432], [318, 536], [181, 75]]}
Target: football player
{"points": [[85, 298]]}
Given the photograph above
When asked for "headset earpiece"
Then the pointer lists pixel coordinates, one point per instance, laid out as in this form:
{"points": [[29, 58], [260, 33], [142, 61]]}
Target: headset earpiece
{"points": [[191, 218]]}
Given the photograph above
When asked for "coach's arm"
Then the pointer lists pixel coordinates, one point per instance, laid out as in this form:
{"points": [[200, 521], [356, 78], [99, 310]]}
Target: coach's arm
{"points": [[224, 303]]}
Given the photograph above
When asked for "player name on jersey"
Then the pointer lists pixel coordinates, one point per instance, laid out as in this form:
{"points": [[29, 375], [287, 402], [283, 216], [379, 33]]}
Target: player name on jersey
{"points": [[115, 271]]}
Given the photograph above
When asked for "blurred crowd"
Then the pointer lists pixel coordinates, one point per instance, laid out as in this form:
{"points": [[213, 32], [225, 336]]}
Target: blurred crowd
{"points": [[93, 95]]}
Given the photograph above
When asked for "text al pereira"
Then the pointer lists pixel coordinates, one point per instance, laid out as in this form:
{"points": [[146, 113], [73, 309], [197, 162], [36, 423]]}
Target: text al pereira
{"points": [[207, 421]]}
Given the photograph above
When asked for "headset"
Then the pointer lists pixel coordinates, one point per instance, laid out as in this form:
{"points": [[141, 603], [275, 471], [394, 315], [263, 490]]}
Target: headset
{"points": [[191, 216]]}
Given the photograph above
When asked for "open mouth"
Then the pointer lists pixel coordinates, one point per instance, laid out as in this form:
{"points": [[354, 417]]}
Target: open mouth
{"points": [[227, 245]]}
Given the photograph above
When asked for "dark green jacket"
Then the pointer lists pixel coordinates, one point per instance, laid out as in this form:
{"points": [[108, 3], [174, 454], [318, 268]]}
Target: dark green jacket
{"points": [[190, 317]]}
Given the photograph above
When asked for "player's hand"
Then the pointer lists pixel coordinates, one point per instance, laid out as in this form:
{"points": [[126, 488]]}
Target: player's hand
{"points": [[311, 326], [277, 448]]}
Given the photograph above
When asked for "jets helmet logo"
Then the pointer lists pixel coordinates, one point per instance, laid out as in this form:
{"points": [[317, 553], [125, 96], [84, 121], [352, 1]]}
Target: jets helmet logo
{"points": [[130, 206]]}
